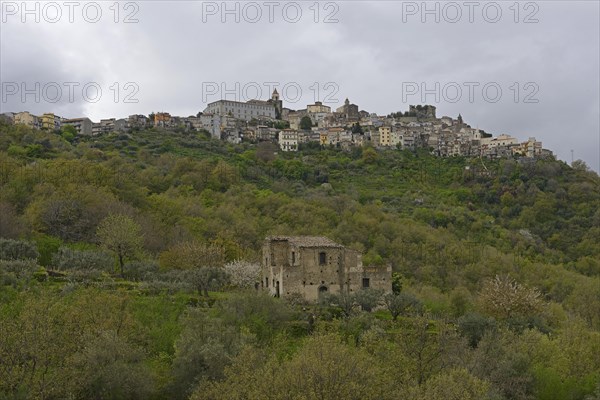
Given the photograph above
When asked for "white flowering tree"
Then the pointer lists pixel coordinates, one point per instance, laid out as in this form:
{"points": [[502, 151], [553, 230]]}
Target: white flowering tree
{"points": [[502, 297], [243, 274]]}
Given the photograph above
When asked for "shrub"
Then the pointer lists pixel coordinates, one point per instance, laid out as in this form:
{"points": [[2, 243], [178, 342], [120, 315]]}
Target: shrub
{"points": [[13, 270], [141, 270], [68, 259], [17, 250]]}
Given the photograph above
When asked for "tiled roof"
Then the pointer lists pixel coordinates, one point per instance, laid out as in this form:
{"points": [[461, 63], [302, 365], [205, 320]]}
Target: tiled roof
{"points": [[306, 241]]}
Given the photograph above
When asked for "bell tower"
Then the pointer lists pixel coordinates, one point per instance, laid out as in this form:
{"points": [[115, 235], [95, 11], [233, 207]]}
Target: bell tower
{"points": [[278, 103]]}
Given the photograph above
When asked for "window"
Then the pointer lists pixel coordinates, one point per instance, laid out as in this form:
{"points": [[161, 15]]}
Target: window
{"points": [[293, 257], [365, 283], [322, 258]]}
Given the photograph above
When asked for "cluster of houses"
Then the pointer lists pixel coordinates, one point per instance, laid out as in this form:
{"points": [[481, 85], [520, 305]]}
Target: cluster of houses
{"points": [[84, 126], [257, 121]]}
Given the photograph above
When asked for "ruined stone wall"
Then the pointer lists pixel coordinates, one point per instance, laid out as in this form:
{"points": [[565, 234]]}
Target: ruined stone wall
{"points": [[309, 274], [275, 258]]}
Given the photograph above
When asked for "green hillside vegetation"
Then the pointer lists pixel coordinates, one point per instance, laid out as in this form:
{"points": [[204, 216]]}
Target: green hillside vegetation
{"points": [[127, 264]]}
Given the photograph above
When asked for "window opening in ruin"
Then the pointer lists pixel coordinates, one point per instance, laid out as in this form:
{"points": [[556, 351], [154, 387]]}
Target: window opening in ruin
{"points": [[322, 258], [322, 290]]}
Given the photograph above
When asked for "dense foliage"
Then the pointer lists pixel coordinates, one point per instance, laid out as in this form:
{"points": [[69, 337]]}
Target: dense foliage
{"points": [[127, 261]]}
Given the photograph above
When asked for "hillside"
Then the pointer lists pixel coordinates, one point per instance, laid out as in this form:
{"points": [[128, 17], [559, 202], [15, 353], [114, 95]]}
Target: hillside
{"points": [[462, 236]]}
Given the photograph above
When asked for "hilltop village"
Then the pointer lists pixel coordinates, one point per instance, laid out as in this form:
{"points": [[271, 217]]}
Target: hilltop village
{"points": [[257, 121]]}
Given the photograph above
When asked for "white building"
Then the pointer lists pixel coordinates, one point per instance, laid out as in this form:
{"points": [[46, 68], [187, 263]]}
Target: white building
{"points": [[243, 111], [502, 140], [288, 140]]}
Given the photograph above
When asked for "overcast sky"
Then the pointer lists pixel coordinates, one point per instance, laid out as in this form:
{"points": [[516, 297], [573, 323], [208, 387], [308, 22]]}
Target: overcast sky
{"points": [[175, 56]]}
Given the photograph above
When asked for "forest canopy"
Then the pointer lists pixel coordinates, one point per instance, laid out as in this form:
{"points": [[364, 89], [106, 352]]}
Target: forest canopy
{"points": [[127, 262]]}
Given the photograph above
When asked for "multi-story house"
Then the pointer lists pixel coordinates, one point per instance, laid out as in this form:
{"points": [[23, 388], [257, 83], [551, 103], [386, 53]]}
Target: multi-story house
{"points": [[288, 140], [109, 125], [137, 121], [50, 122], [195, 122], [498, 146], [28, 119], [82, 125], [162, 120], [385, 136], [331, 136], [530, 148]]}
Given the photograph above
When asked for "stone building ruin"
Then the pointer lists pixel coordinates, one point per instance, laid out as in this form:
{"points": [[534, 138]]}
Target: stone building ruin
{"points": [[313, 265]]}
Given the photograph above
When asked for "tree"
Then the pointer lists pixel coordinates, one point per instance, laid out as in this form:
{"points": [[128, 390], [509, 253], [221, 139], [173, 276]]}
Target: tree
{"points": [[324, 368], [206, 278], [474, 326], [401, 303], [369, 155], [265, 151], [502, 297], [53, 346], [192, 254], [121, 235], [356, 128], [580, 165], [204, 348], [281, 124], [68, 132], [11, 224], [455, 384], [223, 176], [256, 312], [343, 300], [498, 360], [203, 263], [110, 368], [428, 346], [306, 123], [243, 274], [396, 282], [367, 299]]}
